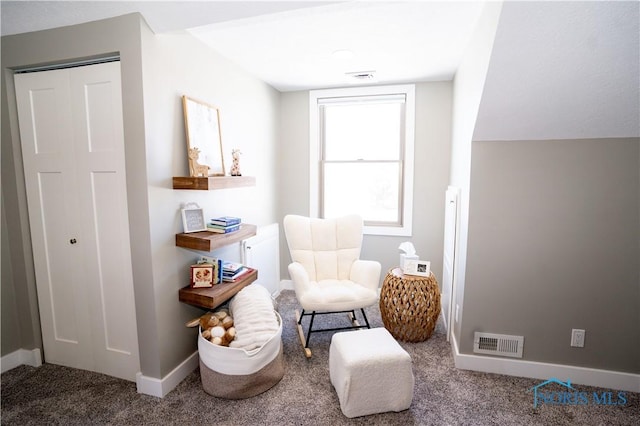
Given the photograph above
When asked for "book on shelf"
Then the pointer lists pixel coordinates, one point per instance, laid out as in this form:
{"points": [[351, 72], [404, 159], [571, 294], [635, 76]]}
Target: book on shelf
{"points": [[231, 267], [233, 271], [225, 221], [237, 276], [222, 229]]}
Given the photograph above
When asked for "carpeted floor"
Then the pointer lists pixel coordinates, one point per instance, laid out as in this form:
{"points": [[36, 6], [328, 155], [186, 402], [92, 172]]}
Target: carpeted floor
{"points": [[443, 395]]}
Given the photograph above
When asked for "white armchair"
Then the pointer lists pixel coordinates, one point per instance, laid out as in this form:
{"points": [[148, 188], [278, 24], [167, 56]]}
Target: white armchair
{"points": [[327, 274]]}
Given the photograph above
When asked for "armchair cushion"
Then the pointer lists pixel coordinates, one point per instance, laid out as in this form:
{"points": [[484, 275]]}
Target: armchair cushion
{"points": [[326, 270], [336, 295], [326, 248]]}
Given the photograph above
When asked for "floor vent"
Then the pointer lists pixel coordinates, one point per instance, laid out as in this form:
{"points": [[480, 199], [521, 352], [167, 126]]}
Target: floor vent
{"points": [[498, 344]]}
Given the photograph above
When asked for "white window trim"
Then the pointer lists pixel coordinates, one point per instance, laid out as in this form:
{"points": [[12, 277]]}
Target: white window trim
{"points": [[408, 161]]}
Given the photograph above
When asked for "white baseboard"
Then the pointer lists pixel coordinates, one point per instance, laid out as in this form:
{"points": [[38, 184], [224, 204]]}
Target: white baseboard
{"points": [[32, 357], [286, 285], [606, 379], [161, 387]]}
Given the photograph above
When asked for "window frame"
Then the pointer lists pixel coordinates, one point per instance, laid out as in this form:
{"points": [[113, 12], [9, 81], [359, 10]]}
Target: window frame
{"points": [[407, 168]]}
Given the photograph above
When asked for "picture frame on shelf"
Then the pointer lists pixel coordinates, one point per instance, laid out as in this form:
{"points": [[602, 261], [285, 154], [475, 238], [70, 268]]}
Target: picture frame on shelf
{"points": [[421, 268], [203, 275], [193, 218], [204, 138]]}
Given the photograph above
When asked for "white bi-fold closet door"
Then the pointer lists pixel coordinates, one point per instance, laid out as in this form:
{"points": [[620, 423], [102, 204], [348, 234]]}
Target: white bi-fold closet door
{"points": [[73, 152]]}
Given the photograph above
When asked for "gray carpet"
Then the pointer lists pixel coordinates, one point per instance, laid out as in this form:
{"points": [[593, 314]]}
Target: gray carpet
{"points": [[443, 395]]}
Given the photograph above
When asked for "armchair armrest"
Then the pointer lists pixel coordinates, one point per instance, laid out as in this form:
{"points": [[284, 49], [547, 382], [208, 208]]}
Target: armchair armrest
{"points": [[300, 277], [366, 273]]}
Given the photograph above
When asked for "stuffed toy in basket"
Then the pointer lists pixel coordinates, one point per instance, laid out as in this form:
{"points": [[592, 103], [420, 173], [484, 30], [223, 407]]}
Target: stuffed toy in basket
{"points": [[253, 362]]}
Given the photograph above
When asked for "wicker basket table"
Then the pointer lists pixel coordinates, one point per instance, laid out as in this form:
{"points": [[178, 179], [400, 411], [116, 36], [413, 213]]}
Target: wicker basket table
{"points": [[409, 305]]}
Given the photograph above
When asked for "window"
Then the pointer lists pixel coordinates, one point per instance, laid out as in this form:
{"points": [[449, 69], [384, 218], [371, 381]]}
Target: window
{"points": [[362, 155]]}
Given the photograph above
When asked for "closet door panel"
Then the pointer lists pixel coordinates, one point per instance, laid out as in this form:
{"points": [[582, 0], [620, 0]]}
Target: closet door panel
{"points": [[99, 146], [47, 149], [57, 251]]}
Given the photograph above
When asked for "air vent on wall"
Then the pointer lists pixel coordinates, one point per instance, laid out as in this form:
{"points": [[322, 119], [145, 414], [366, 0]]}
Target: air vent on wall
{"points": [[498, 344]]}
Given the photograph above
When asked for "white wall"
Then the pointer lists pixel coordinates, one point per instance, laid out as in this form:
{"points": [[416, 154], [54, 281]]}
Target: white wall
{"points": [[563, 70], [468, 84], [175, 65]]}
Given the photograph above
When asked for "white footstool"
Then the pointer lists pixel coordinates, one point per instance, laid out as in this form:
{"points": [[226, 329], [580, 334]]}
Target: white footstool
{"points": [[370, 372]]}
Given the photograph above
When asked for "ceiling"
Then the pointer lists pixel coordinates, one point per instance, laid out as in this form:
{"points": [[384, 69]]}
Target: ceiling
{"points": [[291, 44], [396, 41]]}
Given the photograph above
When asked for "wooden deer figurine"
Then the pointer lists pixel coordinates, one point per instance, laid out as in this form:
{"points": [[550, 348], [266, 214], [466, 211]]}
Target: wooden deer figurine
{"points": [[196, 169]]}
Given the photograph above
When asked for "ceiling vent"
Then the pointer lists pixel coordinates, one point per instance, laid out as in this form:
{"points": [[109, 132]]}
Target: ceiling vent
{"points": [[498, 344], [362, 75]]}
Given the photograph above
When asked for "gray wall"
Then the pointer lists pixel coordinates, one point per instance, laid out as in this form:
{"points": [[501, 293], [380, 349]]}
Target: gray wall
{"points": [[11, 339], [432, 163], [554, 245], [156, 72]]}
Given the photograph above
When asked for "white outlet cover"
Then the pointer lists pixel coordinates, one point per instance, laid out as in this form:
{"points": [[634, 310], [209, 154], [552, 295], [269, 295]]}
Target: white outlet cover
{"points": [[577, 338]]}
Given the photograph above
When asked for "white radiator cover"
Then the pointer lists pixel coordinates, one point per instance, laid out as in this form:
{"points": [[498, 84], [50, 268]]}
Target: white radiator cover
{"points": [[262, 252]]}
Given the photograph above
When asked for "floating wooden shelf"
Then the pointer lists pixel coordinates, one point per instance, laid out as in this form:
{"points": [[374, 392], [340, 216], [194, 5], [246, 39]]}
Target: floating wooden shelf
{"points": [[208, 241], [211, 298], [213, 182]]}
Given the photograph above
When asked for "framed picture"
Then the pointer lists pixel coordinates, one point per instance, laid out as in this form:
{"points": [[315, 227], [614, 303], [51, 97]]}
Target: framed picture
{"points": [[193, 219], [204, 138], [202, 275], [421, 268]]}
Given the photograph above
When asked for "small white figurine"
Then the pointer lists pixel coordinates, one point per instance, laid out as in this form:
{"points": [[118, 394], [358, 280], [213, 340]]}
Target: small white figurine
{"points": [[235, 167]]}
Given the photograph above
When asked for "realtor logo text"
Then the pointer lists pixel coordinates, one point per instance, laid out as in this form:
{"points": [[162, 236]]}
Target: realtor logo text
{"points": [[571, 396]]}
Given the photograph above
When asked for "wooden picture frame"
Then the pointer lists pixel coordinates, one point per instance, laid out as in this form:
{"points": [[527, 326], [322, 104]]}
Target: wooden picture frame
{"points": [[421, 268], [193, 219], [204, 138]]}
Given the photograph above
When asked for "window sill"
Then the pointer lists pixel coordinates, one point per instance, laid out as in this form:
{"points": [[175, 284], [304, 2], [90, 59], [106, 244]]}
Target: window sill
{"points": [[395, 231]]}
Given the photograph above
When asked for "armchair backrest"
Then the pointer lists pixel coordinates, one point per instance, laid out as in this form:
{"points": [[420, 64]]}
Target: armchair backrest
{"points": [[326, 248]]}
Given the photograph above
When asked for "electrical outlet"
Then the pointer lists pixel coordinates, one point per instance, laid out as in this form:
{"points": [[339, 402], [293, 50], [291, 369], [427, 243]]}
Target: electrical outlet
{"points": [[577, 338]]}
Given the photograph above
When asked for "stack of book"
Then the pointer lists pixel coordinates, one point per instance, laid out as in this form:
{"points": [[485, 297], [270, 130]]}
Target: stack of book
{"points": [[224, 224], [232, 272]]}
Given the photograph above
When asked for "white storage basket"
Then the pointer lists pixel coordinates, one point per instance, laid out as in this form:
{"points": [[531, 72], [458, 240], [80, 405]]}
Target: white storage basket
{"points": [[235, 373]]}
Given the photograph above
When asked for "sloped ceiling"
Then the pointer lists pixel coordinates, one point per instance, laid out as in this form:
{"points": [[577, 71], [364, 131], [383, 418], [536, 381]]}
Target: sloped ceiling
{"points": [[563, 70]]}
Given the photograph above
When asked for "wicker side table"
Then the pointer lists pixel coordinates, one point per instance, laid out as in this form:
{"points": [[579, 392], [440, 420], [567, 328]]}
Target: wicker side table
{"points": [[409, 305]]}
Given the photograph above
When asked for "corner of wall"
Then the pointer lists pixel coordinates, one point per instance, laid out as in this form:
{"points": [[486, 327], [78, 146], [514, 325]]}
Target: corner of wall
{"points": [[161, 387], [31, 357], [468, 85]]}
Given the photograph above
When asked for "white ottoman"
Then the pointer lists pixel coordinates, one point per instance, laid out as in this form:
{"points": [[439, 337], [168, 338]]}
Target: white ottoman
{"points": [[370, 372]]}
